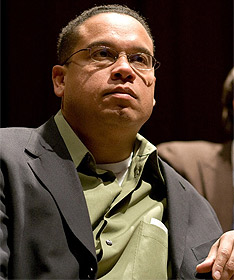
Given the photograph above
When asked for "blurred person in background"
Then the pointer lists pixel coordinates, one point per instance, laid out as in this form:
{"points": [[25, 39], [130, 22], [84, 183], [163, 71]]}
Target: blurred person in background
{"points": [[209, 166]]}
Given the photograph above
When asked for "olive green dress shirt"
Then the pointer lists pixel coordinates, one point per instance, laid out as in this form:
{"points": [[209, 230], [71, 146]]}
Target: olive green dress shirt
{"points": [[131, 240]]}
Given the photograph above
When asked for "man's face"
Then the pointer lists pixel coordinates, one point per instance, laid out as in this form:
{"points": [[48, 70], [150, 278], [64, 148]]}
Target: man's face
{"points": [[117, 95]]}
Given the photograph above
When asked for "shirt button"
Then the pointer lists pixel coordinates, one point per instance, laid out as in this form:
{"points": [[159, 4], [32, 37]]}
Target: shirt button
{"points": [[109, 242], [137, 172], [89, 276]]}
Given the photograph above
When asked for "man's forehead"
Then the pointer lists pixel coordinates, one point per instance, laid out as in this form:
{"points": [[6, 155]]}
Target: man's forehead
{"points": [[113, 20], [114, 24]]}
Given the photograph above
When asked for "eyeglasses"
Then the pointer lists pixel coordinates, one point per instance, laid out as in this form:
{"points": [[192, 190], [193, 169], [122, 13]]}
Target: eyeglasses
{"points": [[106, 56]]}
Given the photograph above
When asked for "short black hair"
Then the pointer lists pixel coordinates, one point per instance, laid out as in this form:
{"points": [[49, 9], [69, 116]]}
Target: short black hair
{"points": [[69, 35]]}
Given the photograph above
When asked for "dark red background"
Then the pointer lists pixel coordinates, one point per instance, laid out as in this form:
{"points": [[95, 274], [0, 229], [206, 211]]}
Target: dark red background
{"points": [[194, 42]]}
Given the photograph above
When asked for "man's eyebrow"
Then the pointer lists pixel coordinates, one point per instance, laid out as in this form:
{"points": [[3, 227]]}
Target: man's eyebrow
{"points": [[99, 43], [110, 45]]}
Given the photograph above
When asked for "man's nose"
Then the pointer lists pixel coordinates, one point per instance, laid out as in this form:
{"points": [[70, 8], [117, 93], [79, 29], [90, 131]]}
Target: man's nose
{"points": [[123, 70]]}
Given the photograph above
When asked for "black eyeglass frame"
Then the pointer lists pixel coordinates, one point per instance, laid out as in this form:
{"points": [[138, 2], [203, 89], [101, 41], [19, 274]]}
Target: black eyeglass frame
{"points": [[154, 60]]}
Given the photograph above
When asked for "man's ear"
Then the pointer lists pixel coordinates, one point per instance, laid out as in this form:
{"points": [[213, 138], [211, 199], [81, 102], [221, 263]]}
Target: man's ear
{"points": [[154, 101], [58, 77]]}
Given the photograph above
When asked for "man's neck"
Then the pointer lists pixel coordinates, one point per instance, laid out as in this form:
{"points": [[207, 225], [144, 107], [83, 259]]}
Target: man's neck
{"points": [[109, 147], [108, 142]]}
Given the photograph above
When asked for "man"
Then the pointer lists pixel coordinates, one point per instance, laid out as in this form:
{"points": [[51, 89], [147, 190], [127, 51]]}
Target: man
{"points": [[209, 166], [84, 196]]}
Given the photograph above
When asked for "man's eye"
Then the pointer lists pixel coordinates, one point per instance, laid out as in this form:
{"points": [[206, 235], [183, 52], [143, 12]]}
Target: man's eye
{"points": [[139, 58], [102, 54]]}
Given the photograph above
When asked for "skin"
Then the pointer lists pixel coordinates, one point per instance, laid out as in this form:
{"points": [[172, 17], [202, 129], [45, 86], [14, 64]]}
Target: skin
{"points": [[118, 99]]}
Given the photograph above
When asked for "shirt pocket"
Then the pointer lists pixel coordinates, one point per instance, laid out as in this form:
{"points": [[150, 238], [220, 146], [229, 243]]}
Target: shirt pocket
{"points": [[151, 252], [145, 256]]}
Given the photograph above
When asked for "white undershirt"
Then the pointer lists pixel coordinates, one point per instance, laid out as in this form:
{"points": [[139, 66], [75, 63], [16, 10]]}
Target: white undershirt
{"points": [[120, 168]]}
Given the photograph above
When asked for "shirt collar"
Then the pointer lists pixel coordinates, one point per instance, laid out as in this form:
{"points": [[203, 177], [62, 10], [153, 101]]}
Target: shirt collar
{"points": [[74, 145], [78, 151], [144, 148]]}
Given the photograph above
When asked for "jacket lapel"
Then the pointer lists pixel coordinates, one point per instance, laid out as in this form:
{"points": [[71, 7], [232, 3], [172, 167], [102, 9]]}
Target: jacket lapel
{"points": [[53, 166], [178, 214]]}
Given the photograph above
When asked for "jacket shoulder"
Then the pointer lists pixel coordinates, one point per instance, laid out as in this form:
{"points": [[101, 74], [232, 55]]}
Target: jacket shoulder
{"points": [[14, 136]]}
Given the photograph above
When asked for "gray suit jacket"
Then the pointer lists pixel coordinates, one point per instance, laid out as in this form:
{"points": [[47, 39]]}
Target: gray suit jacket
{"points": [[45, 226], [208, 167]]}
